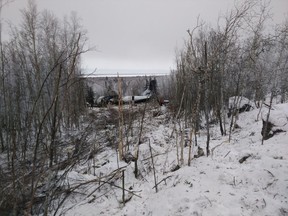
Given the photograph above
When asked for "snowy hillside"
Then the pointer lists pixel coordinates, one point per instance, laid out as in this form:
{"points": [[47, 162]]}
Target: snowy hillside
{"points": [[214, 185]]}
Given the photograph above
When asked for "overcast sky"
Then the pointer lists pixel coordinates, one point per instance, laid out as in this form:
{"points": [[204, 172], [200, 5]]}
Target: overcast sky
{"points": [[136, 34]]}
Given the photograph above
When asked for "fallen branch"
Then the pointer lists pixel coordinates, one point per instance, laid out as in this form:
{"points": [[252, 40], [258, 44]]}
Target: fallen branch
{"points": [[227, 154], [269, 173], [149, 158], [111, 184], [212, 150], [153, 166], [264, 202], [162, 181], [270, 183], [244, 158], [208, 200]]}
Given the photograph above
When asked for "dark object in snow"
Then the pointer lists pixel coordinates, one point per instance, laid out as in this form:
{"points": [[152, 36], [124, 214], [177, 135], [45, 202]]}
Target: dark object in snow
{"points": [[284, 211], [200, 153], [105, 100], [157, 113], [110, 99], [189, 183], [174, 168], [244, 158], [236, 126], [106, 162], [244, 108], [161, 101], [128, 157], [126, 199], [267, 130]]}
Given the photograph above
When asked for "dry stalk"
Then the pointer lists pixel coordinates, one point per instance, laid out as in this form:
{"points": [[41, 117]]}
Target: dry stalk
{"points": [[154, 172], [120, 110]]}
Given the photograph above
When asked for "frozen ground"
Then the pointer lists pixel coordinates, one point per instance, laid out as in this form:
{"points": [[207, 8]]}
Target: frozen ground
{"points": [[214, 185]]}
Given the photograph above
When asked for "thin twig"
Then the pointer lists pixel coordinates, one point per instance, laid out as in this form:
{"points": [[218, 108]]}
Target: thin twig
{"points": [[162, 180], [227, 154], [123, 187], [154, 172], [270, 173]]}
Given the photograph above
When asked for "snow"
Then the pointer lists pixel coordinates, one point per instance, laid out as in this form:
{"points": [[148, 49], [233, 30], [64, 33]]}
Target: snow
{"points": [[275, 100], [239, 102], [214, 185], [278, 116]]}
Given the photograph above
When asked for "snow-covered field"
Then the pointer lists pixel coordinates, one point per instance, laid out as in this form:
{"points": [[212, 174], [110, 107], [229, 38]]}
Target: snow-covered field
{"points": [[214, 185]]}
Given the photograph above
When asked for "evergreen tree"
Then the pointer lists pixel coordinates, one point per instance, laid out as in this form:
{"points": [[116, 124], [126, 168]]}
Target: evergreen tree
{"points": [[90, 96]]}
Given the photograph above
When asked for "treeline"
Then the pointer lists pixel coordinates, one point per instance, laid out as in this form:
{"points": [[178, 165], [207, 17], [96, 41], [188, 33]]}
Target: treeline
{"points": [[241, 56], [41, 100]]}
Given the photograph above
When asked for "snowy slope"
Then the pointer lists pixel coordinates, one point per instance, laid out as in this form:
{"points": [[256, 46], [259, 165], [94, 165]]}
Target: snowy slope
{"points": [[278, 116], [214, 185]]}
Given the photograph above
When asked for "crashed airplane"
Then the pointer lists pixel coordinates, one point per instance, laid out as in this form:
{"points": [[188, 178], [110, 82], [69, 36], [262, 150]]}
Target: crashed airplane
{"points": [[114, 99]]}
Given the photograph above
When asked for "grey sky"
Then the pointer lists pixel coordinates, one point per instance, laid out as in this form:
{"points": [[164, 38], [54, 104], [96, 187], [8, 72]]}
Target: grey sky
{"points": [[136, 34]]}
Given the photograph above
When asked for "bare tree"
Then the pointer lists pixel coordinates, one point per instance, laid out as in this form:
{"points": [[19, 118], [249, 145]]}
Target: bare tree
{"points": [[218, 63], [42, 98]]}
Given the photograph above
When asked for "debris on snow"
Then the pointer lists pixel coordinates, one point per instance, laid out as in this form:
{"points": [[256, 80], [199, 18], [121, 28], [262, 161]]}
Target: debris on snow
{"points": [[220, 185], [239, 104], [244, 158], [277, 121]]}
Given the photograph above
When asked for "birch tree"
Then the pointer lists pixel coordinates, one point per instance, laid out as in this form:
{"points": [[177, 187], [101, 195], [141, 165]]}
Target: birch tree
{"points": [[43, 97]]}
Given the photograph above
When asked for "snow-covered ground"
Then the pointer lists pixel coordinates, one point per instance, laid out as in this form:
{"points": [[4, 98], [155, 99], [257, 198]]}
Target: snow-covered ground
{"points": [[214, 185]]}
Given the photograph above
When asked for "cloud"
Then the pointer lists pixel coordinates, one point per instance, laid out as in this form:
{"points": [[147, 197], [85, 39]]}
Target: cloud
{"points": [[137, 33]]}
